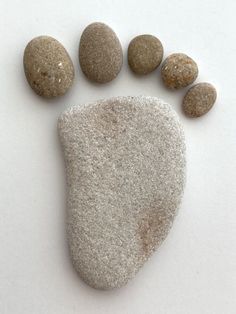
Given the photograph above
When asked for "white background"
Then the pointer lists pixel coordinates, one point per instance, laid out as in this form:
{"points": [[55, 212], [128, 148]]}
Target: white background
{"points": [[194, 271]]}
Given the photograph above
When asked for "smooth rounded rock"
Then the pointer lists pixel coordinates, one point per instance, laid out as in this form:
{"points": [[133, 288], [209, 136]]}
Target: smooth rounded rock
{"points": [[178, 71], [48, 67], [125, 163], [100, 53], [199, 99], [145, 54]]}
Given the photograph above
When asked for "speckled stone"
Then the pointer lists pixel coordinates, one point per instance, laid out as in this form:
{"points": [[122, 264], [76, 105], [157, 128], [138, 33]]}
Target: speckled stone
{"points": [[125, 163], [178, 71], [145, 54], [199, 99], [48, 67], [100, 53]]}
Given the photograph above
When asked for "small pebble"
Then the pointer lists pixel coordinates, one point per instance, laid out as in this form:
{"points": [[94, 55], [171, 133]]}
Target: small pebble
{"points": [[199, 99], [100, 53], [178, 71], [145, 54], [48, 67]]}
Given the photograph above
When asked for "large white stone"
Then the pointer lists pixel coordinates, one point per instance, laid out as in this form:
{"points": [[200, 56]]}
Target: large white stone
{"points": [[125, 163]]}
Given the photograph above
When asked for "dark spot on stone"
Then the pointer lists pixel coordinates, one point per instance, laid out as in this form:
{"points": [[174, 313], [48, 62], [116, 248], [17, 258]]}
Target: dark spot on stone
{"points": [[150, 228], [35, 83]]}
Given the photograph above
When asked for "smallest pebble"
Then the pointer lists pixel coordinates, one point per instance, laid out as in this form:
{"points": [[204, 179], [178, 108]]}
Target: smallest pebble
{"points": [[199, 99]]}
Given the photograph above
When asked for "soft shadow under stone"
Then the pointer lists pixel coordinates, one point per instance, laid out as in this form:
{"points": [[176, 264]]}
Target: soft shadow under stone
{"points": [[125, 163]]}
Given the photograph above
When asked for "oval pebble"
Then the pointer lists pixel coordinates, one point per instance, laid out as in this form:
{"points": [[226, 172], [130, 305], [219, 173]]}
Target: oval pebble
{"points": [[178, 71], [145, 54], [199, 99], [100, 53], [48, 67], [125, 163]]}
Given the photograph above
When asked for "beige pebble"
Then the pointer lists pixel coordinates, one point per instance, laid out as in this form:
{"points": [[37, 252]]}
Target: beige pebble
{"points": [[199, 99], [100, 53], [48, 67], [178, 71], [145, 54]]}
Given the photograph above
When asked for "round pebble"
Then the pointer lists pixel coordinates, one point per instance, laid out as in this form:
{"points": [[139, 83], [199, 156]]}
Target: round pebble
{"points": [[100, 53], [199, 99], [178, 71], [48, 67], [145, 54]]}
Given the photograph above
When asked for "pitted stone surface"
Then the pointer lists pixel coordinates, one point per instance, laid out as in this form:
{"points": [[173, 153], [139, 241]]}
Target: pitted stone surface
{"points": [[125, 163]]}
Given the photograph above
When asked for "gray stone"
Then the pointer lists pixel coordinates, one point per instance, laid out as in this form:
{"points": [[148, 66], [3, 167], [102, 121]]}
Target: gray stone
{"points": [[178, 71], [125, 163], [145, 54], [48, 67], [100, 53], [199, 99]]}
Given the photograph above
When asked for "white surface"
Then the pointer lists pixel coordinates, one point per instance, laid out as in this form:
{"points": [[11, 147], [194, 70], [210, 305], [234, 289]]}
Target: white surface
{"points": [[195, 269]]}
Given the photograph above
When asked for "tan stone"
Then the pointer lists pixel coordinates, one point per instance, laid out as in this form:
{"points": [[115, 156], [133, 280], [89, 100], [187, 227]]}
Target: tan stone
{"points": [[199, 99], [178, 71], [100, 53], [145, 54], [48, 67]]}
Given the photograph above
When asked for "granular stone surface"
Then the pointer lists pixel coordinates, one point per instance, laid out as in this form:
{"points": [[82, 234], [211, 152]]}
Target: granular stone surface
{"points": [[199, 99], [100, 53], [48, 67], [125, 163], [178, 71], [145, 54]]}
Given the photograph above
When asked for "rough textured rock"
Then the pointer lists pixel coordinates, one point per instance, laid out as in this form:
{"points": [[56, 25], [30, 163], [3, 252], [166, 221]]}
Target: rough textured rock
{"points": [[125, 163], [178, 71], [199, 99], [100, 53], [145, 54], [48, 67]]}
